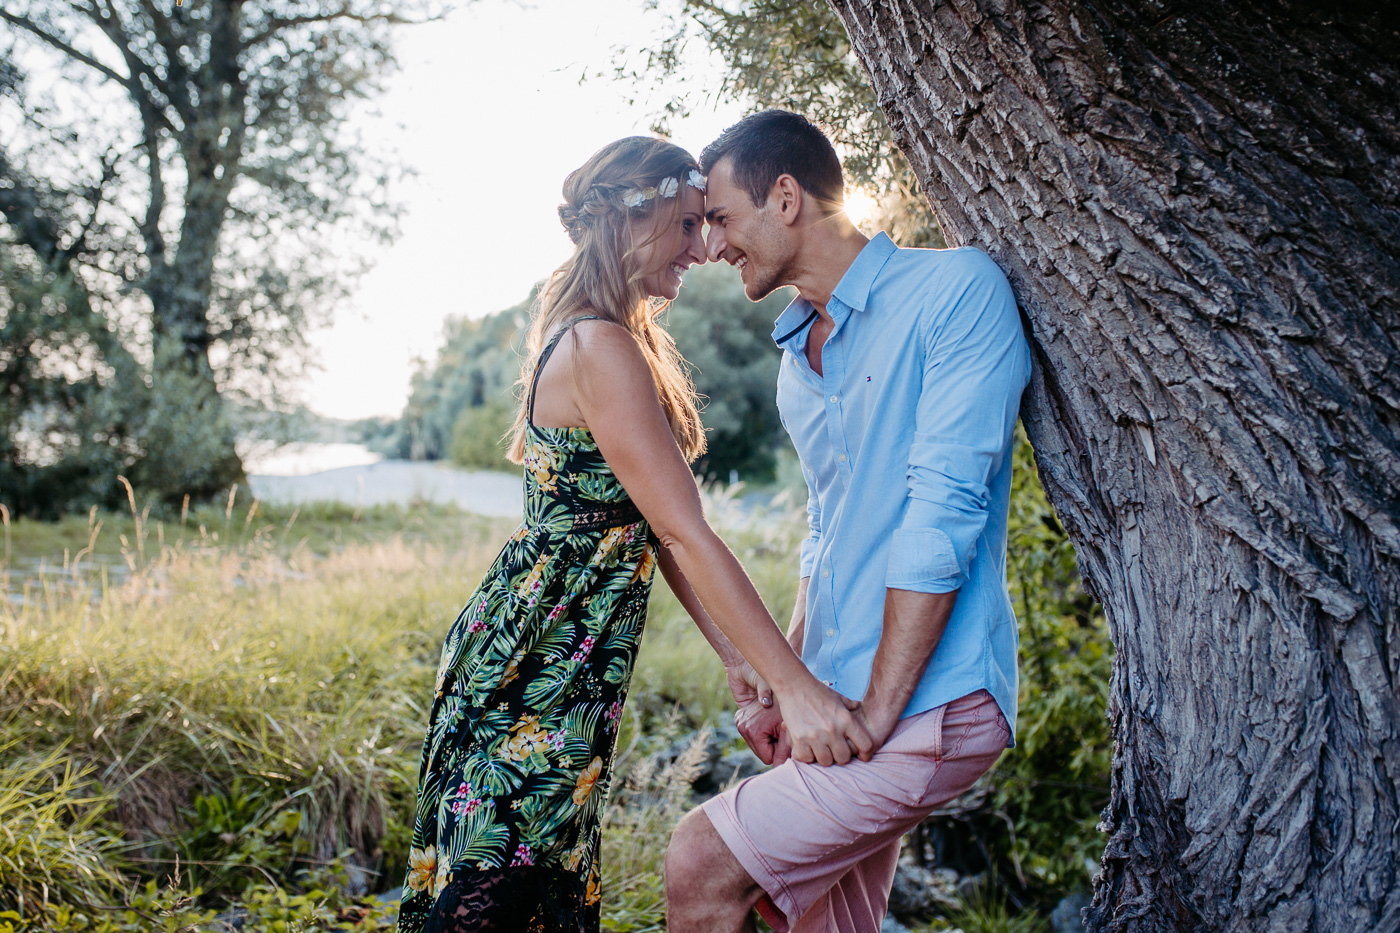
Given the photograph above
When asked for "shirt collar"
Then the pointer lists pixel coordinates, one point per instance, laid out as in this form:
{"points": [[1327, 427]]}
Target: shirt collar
{"points": [[853, 290]]}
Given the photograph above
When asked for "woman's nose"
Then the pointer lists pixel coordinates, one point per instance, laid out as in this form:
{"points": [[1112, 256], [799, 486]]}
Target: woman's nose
{"points": [[695, 248]]}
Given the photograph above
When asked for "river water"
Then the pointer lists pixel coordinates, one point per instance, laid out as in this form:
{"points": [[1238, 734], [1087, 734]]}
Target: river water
{"points": [[351, 473]]}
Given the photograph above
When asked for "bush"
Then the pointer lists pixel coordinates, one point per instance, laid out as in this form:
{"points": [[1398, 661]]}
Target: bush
{"points": [[478, 436]]}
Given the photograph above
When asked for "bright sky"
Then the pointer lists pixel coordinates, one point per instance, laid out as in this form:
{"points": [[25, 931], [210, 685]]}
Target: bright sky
{"points": [[489, 110]]}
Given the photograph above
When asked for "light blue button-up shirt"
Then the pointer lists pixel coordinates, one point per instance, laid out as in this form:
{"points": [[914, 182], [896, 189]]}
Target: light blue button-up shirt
{"points": [[905, 442]]}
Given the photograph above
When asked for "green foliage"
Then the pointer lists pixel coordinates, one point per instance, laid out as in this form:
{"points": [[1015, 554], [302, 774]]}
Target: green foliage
{"points": [[792, 54], [232, 744], [462, 404], [55, 844], [1051, 787], [480, 436], [476, 368], [172, 253], [76, 411]]}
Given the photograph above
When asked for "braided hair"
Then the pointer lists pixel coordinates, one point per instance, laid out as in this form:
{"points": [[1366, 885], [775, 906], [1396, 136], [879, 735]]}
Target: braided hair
{"points": [[602, 198]]}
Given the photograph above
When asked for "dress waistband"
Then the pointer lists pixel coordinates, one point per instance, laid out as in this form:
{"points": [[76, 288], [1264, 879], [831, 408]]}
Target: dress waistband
{"points": [[594, 516]]}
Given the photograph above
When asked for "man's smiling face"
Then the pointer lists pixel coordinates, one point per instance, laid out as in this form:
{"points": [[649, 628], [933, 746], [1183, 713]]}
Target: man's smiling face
{"points": [[749, 237]]}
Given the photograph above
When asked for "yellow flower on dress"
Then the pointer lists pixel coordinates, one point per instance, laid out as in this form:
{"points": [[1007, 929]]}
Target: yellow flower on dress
{"points": [[532, 579], [440, 881], [592, 896], [526, 738], [540, 461], [513, 667], [645, 565], [610, 541], [576, 856], [586, 779], [422, 864]]}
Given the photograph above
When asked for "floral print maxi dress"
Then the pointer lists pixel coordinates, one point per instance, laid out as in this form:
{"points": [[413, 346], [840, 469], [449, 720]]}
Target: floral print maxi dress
{"points": [[525, 711]]}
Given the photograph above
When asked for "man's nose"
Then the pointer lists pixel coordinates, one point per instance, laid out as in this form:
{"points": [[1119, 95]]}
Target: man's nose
{"points": [[715, 242]]}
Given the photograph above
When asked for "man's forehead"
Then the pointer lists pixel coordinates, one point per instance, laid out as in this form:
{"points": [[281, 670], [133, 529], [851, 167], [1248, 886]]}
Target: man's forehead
{"points": [[719, 189]]}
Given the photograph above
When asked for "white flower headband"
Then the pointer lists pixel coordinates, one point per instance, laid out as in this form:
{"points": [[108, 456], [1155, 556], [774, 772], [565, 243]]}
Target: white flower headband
{"points": [[669, 188]]}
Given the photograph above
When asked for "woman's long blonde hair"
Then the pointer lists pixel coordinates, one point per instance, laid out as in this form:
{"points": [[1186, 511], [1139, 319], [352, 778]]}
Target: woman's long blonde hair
{"points": [[603, 276]]}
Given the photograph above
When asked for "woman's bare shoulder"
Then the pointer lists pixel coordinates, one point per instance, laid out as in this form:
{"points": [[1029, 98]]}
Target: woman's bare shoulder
{"points": [[602, 344]]}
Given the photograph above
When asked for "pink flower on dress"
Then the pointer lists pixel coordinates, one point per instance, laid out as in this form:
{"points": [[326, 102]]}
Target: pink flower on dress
{"points": [[584, 649], [523, 856], [476, 626], [613, 714]]}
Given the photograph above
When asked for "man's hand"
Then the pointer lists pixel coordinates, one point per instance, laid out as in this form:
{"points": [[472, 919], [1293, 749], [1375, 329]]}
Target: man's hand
{"points": [[758, 719], [762, 727], [879, 717]]}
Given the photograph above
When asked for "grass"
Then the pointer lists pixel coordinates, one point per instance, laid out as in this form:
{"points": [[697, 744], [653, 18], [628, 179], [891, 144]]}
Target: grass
{"points": [[223, 707], [227, 706]]}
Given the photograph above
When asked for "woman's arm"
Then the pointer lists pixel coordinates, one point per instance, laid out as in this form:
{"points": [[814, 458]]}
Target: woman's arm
{"points": [[615, 393], [744, 682]]}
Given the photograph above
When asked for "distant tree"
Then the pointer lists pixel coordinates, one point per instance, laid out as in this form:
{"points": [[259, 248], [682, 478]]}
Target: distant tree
{"points": [[728, 342], [463, 400], [475, 369], [181, 183]]}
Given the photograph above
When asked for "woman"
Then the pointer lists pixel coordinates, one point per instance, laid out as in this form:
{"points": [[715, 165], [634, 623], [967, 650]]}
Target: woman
{"points": [[535, 670]]}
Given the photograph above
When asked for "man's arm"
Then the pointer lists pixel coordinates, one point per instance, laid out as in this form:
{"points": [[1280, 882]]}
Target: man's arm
{"points": [[914, 624], [975, 366]]}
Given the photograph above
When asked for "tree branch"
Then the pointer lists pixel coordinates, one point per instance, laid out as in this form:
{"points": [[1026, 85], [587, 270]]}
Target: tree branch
{"points": [[110, 23], [280, 23], [29, 25]]}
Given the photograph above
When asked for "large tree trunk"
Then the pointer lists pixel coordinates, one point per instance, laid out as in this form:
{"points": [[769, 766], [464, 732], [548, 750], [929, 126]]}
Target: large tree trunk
{"points": [[1199, 208]]}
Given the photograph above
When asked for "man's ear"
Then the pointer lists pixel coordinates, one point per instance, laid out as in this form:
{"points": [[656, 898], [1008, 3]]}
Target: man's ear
{"points": [[788, 198]]}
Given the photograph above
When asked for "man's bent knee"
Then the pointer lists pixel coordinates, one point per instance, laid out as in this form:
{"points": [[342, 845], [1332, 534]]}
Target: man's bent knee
{"points": [[706, 887]]}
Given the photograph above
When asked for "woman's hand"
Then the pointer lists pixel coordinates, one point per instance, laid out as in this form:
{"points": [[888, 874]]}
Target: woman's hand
{"points": [[746, 685], [823, 727]]}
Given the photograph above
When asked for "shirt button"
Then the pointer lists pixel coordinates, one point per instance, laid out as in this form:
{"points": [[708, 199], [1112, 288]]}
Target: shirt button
{"points": [[831, 633], [826, 573], [833, 398], [843, 458]]}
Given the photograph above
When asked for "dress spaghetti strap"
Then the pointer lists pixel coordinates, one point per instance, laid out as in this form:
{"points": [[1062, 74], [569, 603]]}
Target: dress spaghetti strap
{"points": [[544, 358]]}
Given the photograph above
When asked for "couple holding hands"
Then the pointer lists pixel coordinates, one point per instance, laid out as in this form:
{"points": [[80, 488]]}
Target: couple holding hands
{"points": [[894, 688]]}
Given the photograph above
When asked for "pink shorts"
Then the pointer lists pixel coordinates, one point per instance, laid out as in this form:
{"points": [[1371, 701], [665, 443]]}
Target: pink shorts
{"points": [[824, 842]]}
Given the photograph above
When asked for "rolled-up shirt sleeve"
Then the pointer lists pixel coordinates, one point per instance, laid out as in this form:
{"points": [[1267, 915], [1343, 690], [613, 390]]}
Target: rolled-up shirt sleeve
{"points": [[975, 366]]}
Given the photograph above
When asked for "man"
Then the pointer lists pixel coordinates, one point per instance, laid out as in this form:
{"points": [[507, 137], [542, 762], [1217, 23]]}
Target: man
{"points": [[900, 383]]}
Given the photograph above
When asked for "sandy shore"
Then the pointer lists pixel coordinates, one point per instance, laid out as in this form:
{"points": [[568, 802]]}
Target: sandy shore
{"points": [[398, 481]]}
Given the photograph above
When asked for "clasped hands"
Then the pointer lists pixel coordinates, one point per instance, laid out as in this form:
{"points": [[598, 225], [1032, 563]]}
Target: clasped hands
{"points": [[813, 724]]}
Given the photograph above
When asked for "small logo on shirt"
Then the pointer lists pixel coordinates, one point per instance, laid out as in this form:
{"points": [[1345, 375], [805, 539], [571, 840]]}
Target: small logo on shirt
{"points": [[867, 378]]}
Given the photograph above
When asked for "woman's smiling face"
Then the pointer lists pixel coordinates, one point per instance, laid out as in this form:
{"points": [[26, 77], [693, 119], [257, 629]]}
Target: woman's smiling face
{"points": [[675, 248]]}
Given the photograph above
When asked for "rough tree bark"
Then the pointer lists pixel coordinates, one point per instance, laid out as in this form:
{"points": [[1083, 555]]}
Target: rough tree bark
{"points": [[1198, 207]]}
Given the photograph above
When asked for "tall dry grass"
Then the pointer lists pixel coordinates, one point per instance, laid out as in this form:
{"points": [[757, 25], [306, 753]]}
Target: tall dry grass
{"points": [[235, 696]]}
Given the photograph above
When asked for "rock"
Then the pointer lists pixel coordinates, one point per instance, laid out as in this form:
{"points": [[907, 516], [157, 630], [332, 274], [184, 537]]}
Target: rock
{"points": [[1066, 918], [718, 764], [891, 925], [969, 884], [919, 894], [230, 921]]}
